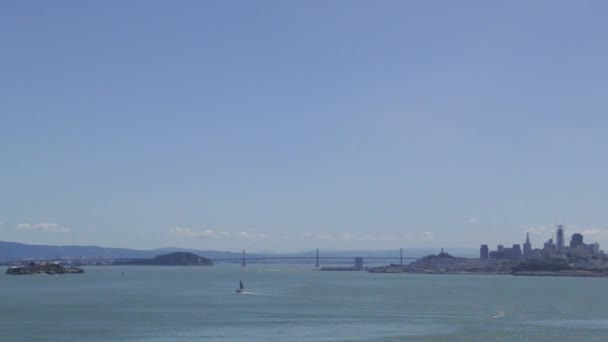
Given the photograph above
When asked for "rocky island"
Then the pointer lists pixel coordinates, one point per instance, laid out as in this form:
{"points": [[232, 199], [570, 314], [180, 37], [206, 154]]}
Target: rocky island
{"points": [[171, 259], [42, 268]]}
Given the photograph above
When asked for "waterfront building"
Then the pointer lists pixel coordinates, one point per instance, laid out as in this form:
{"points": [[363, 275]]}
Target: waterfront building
{"points": [[515, 252], [512, 252], [483, 252], [594, 248], [577, 240], [581, 251], [500, 248], [359, 262], [496, 255], [536, 253], [560, 238], [549, 249], [527, 247]]}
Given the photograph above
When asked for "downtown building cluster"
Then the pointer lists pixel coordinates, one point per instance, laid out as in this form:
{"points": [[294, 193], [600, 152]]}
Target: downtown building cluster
{"points": [[550, 250]]}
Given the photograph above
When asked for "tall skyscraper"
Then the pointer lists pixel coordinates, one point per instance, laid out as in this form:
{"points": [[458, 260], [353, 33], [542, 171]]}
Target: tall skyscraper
{"points": [[527, 246], [484, 252], [577, 240], [560, 238]]}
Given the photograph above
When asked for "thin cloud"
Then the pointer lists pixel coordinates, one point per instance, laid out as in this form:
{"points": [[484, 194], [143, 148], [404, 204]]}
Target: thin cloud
{"points": [[191, 233], [376, 238], [594, 232], [324, 237], [407, 237], [185, 232], [355, 237], [43, 227], [428, 235], [473, 221], [540, 230], [251, 235]]}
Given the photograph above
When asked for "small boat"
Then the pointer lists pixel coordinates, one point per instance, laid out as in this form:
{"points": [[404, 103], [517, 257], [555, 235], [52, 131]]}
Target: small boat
{"points": [[241, 287]]}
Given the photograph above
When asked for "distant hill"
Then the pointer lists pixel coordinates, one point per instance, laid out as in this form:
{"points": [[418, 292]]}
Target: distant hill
{"points": [[13, 251], [171, 259], [10, 251]]}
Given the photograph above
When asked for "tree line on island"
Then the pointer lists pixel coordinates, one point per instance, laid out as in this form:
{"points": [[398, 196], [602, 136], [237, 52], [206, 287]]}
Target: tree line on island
{"points": [[170, 259]]}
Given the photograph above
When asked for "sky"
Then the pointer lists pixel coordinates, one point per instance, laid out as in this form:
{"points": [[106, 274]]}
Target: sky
{"points": [[292, 125]]}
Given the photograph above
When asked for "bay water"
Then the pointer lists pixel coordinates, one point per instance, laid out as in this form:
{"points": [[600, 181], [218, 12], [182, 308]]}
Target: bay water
{"points": [[297, 303]]}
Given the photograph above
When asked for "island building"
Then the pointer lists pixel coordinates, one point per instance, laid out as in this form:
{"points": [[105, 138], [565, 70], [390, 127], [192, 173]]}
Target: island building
{"points": [[484, 252]]}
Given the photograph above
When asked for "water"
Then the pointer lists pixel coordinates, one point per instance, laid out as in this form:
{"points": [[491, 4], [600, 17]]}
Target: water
{"points": [[295, 303]]}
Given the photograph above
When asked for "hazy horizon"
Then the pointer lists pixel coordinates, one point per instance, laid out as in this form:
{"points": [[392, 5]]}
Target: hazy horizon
{"points": [[276, 126], [450, 250]]}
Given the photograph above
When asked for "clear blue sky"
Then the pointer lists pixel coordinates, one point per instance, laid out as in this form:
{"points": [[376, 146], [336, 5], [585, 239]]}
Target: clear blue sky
{"points": [[290, 125]]}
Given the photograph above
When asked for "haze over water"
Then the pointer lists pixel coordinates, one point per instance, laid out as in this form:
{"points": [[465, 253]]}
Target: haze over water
{"points": [[296, 303]]}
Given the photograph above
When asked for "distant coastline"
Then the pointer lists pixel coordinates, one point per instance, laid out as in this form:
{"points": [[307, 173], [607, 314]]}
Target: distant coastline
{"points": [[587, 274], [444, 263]]}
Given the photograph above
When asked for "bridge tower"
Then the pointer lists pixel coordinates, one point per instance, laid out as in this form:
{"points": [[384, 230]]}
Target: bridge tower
{"points": [[317, 263], [243, 263]]}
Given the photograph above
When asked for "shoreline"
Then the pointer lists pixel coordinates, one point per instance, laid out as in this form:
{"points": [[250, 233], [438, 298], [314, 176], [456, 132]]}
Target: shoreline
{"points": [[580, 274], [576, 274]]}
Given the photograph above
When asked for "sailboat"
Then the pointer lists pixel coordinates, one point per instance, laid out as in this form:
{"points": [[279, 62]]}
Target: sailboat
{"points": [[241, 287]]}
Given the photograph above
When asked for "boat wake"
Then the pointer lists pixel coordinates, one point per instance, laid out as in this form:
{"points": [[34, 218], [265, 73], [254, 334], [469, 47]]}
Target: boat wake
{"points": [[261, 294], [499, 315]]}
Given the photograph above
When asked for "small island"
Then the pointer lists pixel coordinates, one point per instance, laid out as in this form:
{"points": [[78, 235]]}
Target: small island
{"points": [[171, 259], [42, 268]]}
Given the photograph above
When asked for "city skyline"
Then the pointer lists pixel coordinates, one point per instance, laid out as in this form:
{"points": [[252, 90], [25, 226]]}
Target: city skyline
{"points": [[276, 127], [552, 247]]}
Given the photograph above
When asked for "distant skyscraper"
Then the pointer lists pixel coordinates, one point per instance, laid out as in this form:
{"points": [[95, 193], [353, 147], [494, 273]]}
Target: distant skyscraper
{"points": [[484, 252], [500, 248], [560, 238], [514, 252], [577, 240], [527, 247], [594, 248], [549, 248]]}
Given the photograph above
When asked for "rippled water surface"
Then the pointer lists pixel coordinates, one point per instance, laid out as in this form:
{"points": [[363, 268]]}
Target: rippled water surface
{"points": [[296, 303]]}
